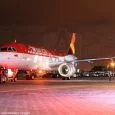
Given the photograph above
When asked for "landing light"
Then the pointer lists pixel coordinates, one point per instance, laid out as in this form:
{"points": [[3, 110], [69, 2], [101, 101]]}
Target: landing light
{"points": [[40, 71], [78, 70], [112, 64], [10, 73]]}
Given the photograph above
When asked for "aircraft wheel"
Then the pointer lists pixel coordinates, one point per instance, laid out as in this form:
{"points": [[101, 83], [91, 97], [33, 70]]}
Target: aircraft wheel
{"points": [[32, 77], [27, 77], [4, 79], [14, 80], [0, 79], [68, 78], [63, 78]]}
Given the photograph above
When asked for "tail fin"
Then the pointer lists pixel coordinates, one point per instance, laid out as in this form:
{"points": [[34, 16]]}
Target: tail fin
{"points": [[72, 44]]}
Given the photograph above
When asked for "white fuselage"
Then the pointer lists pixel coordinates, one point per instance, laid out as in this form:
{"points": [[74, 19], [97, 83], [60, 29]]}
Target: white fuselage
{"points": [[30, 61]]}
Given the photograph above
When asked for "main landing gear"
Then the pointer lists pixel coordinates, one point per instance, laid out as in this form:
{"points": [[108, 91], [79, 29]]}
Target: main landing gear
{"points": [[66, 78], [30, 76]]}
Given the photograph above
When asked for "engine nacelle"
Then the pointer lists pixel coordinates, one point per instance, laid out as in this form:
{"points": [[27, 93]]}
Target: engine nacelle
{"points": [[66, 70]]}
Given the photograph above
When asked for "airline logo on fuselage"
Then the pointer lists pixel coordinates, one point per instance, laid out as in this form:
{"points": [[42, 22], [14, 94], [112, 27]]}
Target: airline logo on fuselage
{"points": [[42, 52], [37, 51]]}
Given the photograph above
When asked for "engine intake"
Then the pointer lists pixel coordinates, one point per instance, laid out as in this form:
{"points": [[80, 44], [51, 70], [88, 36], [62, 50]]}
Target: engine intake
{"points": [[66, 70]]}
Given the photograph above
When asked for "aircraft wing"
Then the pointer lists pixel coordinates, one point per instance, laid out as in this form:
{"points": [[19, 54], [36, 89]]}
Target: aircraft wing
{"points": [[95, 59]]}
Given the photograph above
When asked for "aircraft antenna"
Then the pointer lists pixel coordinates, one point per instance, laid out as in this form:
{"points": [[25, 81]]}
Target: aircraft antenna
{"points": [[15, 41]]}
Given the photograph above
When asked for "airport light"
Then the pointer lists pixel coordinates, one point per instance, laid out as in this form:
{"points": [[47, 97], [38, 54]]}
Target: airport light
{"points": [[113, 66]]}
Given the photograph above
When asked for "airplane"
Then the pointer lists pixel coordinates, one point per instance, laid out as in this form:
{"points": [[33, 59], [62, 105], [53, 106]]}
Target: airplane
{"points": [[19, 56]]}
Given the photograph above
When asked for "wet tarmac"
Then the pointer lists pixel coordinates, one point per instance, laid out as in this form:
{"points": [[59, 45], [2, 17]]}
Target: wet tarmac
{"points": [[58, 97]]}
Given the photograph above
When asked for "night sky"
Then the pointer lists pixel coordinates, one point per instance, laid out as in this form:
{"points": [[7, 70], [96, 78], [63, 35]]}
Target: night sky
{"points": [[56, 12], [49, 23]]}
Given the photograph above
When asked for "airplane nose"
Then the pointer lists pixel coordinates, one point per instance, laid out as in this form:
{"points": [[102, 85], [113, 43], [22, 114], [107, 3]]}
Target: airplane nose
{"points": [[4, 57]]}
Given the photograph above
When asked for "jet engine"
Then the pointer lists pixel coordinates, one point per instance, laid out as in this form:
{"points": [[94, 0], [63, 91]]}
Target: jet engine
{"points": [[66, 70]]}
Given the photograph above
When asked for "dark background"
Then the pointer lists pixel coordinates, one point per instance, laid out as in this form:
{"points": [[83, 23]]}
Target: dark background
{"points": [[57, 12], [50, 23]]}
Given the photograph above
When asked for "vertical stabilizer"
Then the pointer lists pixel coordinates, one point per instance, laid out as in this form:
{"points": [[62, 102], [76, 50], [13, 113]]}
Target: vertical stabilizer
{"points": [[72, 45]]}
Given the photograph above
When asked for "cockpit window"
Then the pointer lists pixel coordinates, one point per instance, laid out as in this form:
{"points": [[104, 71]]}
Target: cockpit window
{"points": [[14, 49], [11, 49], [3, 49]]}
